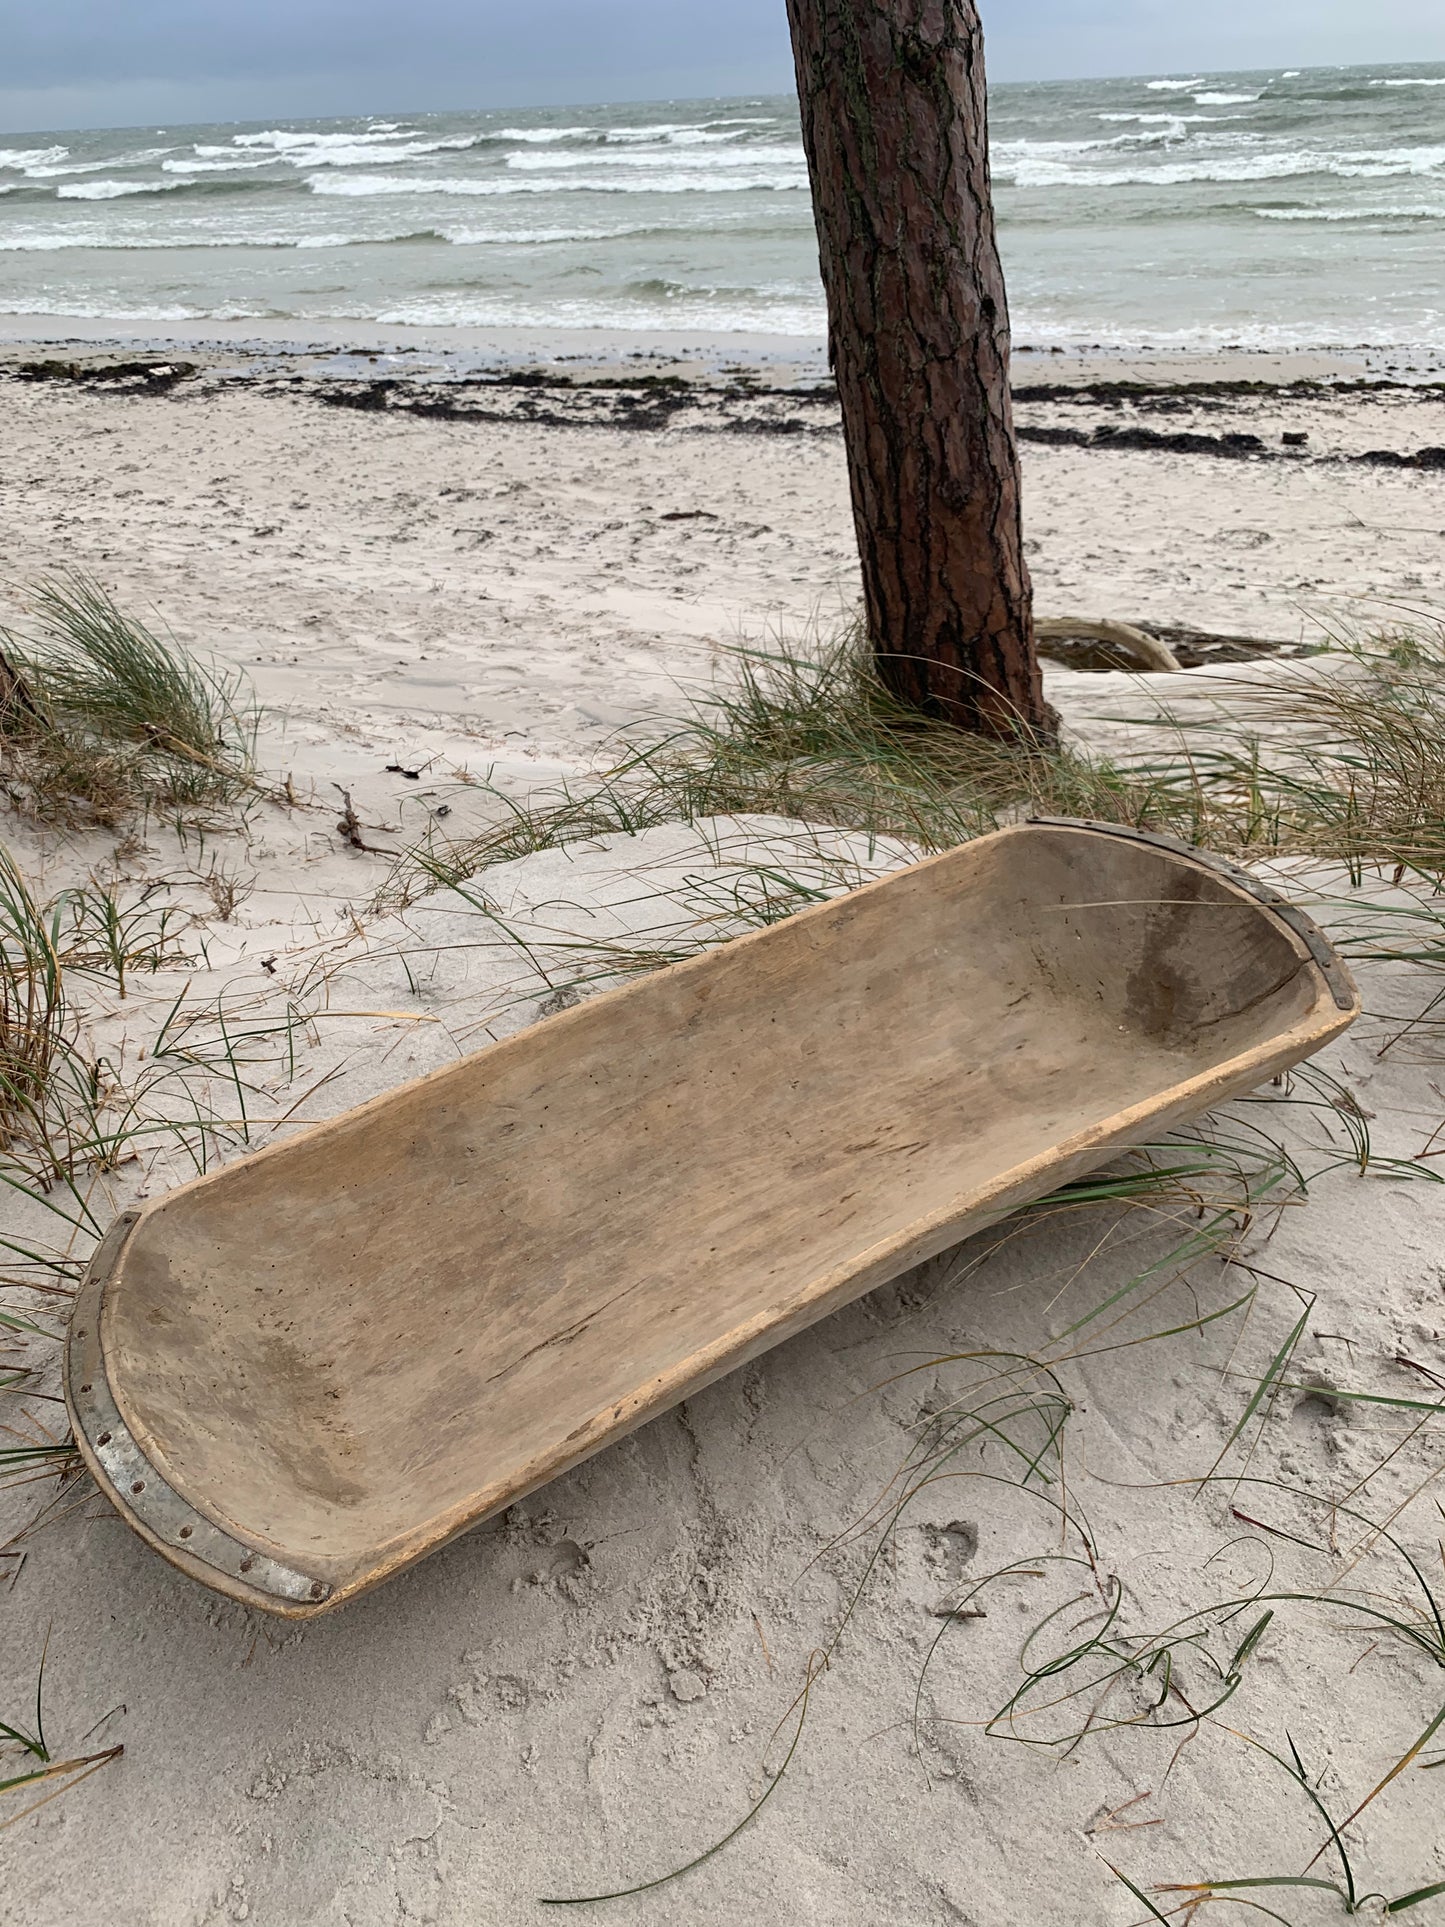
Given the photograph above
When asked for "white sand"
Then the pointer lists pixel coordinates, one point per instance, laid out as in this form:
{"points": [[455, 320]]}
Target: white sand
{"points": [[580, 1695]]}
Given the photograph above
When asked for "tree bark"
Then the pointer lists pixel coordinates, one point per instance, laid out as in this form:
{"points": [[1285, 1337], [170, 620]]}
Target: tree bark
{"points": [[895, 123]]}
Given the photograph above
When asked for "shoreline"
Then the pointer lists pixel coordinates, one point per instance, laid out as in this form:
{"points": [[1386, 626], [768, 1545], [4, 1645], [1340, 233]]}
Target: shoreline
{"points": [[338, 348]]}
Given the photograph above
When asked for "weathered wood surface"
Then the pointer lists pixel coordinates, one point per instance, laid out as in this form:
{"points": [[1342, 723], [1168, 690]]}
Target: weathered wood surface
{"points": [[329, 1358]]}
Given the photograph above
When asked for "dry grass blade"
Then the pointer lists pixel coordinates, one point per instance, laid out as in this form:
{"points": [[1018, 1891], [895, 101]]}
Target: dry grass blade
{"points": [[32, 1003], [38, 1767]]}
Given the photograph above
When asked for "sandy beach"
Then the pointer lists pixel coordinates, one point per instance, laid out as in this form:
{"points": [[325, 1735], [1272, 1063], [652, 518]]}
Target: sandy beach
{"points": [[551, 561], [454, 574]]}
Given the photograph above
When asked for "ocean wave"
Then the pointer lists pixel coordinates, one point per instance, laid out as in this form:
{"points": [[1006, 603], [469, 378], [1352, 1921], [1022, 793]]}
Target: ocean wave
{"points": [[91, 311], [23, 159], [674, 137], [537, 236], [807, 318], [1170, 120], [541, 136], [1172, 134], [359, 156], [366, 185], [1176, 86], [282, 139], [114, 190], [721, 132], [641, 157], [1409, 83], [1336, 214], [234, 166], [333, 150], [1378, 164], [1269, 337], [1227, 100], [147, 157], [186, 188], [70, 239], [662, 130]]}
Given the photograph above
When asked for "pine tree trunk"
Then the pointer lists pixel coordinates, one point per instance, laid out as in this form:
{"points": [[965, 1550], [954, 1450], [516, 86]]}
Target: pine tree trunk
{"points": [[895, 123]]}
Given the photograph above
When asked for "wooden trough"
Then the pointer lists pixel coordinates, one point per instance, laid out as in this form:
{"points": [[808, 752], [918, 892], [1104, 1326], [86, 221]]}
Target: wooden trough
{"points": [[304, 1372]]}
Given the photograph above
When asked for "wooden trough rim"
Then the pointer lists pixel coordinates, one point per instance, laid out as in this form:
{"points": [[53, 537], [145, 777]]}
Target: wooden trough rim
{"points": [[192, 1542]]}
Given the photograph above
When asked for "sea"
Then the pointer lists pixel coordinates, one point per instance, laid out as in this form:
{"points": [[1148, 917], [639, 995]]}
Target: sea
{"points": [[1279, 209]]}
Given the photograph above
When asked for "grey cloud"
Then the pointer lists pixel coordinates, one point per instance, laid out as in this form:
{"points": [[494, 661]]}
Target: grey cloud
{"points": [[120, 62]]}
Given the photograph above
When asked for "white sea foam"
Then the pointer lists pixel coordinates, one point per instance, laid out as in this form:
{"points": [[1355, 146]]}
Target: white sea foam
{"points": [[1334, 214], [1165, 120], [663, 130], [1409, 83], [1226, 100], [1036, 171], [234, 165], [71, 238], [532, 237], [107, 310], [59, 169], [707, 133], [1176, 86], [763, 314], [644, 158], [542, 136], [26, 159], [64, 240], [699, 182], [112, 190], [359, 156], [282, 139]]}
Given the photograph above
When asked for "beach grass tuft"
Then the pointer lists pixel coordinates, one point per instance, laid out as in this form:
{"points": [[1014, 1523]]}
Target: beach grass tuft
{"points": [[1343, 759], [33, 1019], [101, 717]]}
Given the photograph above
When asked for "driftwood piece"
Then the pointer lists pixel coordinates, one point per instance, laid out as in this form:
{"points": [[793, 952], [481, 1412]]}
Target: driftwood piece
{"points": [[300, 1374], [1144, 650]]}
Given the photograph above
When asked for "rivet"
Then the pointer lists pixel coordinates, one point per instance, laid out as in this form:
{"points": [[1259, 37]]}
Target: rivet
{"points": [[85, 1388], [104, 1439], [185, 1532], [247, 1563], [317, 1588], [139, 1486]]}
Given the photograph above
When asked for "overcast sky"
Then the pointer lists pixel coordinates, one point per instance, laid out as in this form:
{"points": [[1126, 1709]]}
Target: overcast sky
{"points": [[117, 63]]}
